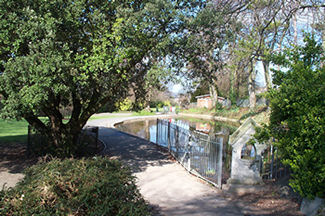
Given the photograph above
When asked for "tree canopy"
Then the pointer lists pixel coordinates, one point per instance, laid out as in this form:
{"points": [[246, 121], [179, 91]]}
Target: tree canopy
{"points": [[78, 53]]}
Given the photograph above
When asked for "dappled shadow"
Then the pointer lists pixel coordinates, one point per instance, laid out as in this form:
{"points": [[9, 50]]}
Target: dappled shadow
{"points": [[13, 157], [136, 152]]}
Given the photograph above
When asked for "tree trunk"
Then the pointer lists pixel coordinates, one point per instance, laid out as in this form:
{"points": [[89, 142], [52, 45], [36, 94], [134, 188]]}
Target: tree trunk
{"points": [[214, 94], [266, 66], [60, 140], [64, 141], [294, 20], [323, 44], [232, 94], [251, 85]]}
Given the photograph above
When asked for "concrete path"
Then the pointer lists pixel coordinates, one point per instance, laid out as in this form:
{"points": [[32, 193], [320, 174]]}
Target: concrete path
{"points": [[163, 183]]}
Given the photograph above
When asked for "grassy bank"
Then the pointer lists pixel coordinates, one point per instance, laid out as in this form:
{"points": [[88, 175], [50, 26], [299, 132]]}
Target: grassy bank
{"points": [[259, 114]]}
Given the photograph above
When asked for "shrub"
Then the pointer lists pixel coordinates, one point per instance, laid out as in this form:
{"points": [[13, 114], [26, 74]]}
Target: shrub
{"points": [[167, 103], [297, 121], [124, 105], [143, 113], [97, 186]]}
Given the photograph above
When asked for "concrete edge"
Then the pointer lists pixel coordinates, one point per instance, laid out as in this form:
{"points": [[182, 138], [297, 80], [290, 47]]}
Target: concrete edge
{"points": [[135, 118]]}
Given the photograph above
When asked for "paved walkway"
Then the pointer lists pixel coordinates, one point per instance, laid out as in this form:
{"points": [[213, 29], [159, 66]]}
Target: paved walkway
{"points": [[163, 183]]}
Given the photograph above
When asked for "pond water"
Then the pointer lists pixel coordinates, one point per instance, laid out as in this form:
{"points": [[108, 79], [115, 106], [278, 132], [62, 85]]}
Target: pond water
{"points": [[147, 129], [220, 131]]}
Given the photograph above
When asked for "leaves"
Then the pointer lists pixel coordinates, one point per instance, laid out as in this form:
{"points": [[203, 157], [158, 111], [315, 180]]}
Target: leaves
{"points": [[298, 116], [96, 186], [79, 54]]}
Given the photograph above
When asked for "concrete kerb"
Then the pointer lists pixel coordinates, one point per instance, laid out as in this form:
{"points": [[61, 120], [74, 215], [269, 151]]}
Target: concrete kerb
{"points": [[136, 118]]}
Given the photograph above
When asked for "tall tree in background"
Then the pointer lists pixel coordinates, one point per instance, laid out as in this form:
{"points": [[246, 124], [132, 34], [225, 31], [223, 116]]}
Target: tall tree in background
{"points": [[224, 41], [77, 53], [204, 43]]}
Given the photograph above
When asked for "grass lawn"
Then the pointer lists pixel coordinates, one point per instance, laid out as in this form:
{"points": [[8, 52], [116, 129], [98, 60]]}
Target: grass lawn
{"points": [[12, 131]]}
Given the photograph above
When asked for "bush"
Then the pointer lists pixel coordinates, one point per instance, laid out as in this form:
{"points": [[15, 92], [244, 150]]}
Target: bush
{"points": [[143, 113], [297, 121], [125, 105], [97, 186]]}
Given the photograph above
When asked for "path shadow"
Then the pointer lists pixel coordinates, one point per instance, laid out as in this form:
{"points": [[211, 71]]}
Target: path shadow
{"points": [[136, 152], [13, 158], [5, 140]]}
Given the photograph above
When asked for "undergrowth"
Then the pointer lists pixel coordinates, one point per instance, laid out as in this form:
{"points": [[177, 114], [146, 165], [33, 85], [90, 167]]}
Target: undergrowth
{"points": [[96, 186]]}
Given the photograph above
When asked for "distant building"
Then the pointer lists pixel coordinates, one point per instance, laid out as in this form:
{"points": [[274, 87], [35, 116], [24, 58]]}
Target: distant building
{"points": [[204, 101]]}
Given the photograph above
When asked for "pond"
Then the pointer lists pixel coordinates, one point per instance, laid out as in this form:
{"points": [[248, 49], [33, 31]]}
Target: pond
{"points": [[206, 156]]}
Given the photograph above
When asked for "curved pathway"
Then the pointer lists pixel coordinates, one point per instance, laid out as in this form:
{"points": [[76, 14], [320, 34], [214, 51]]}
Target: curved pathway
{"points": [[166, 185]]}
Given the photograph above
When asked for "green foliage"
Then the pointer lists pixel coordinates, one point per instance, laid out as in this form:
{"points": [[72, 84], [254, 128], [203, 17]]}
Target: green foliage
{"points": [[79, 54], [157, 103], [97, 186], [218, 106], [167, 103], [125, 105], [297, 121], [143, 113]]}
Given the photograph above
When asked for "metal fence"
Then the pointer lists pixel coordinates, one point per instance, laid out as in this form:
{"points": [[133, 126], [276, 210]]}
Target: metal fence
{"points": [[199, 153], [272, 167]]}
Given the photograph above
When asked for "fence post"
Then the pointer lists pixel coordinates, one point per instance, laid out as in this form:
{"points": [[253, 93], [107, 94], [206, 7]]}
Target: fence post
{"points": [[96, 138], [220, 163], [272, 161], [168, 136], [189, 149], [276, 164], [28, 139], [157, 125], [177, 141]]}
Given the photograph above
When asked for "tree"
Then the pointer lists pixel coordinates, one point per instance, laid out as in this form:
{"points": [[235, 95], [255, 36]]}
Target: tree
{"points": [[203, 46], [297, 121], [77, 53]]}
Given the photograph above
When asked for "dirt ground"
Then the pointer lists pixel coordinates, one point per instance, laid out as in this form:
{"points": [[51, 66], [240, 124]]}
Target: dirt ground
{"points": [[275, 198]]}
